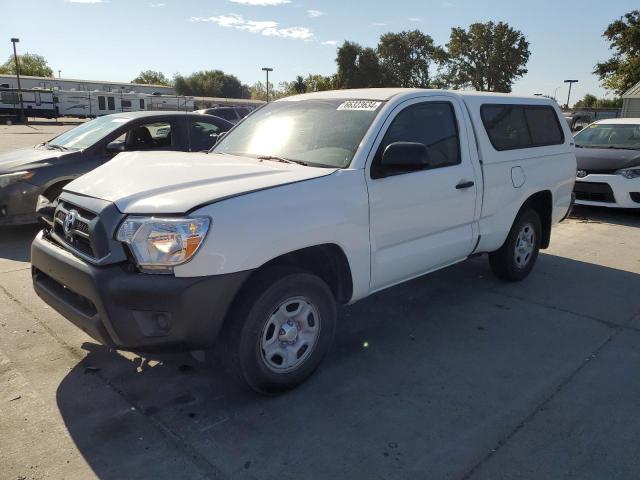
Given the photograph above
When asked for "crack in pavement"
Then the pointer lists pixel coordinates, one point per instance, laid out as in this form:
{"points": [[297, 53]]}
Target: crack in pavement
{"points": [[563, 383]]}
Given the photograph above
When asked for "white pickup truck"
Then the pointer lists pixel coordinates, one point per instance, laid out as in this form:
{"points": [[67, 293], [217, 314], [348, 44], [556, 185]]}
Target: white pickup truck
{"points": [[310, 201]]}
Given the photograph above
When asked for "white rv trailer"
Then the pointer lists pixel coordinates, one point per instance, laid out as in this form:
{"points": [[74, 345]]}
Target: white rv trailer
{"points": [[37, 103]]}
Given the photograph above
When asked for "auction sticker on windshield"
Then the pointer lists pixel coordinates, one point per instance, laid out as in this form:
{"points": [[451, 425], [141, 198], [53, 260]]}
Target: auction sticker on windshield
{"points": [[366, 105]]}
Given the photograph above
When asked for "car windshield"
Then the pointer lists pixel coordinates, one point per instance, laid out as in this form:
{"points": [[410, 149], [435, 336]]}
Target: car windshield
{"points": [[315, 132], [88, 133], [609, 135]]}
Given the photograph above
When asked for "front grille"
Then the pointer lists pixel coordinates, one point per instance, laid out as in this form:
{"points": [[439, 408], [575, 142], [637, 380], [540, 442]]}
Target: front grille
{"points": [[605, 171], [594, 192], [78, 238]]}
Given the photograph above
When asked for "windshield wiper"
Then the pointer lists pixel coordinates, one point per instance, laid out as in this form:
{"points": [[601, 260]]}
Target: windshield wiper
{"points": [[53, 146], [275, 158]]}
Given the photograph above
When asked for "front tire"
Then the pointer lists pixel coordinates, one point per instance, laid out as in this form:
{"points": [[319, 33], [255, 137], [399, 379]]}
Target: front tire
{"points": [[279, 330], [517, 256]]}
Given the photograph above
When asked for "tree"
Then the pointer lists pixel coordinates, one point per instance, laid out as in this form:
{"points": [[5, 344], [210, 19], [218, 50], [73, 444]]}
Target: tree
{"points": [[591, 101], [319, 83], [211, 83], [406, 58], [622, 70], [298, 85], [30, 64], [488, 56], [358, 67], [151, 77]]}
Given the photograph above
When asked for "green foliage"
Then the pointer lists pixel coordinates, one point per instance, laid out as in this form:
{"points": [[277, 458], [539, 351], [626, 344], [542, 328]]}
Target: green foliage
{"points": [[591, 101], [151, 77], [30, 64], [211, 83], [319, 83], [488, 57], [622, 70], [406, 58], [358, 67]]}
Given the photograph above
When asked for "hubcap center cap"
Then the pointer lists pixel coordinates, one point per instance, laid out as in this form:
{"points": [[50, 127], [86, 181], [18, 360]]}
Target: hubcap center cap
{"points": [[288, 332]]}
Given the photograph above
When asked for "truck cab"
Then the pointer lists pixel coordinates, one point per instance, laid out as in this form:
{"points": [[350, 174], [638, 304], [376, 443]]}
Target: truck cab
{"points": [[312, 201]]}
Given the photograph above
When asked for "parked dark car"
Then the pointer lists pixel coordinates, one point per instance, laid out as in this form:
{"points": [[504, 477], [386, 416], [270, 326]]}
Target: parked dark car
{"points": [[232, 114], [46, 168]]}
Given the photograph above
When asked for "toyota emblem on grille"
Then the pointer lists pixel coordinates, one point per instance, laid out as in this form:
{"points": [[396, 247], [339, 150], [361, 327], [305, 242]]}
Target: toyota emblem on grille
{"points": [[581, 173], [69, 222]]}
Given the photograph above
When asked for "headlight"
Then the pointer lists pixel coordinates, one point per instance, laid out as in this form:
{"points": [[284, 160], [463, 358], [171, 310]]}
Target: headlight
{"points": [[629, 172], [9, 178], [159, 244]]}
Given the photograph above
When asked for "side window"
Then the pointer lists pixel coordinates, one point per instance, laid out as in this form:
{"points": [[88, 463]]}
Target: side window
{"points": [[151, 136], [125, 103], [506, 126], [111, 102], [142, 104], [543, 125], [521, 126], [203, 135], [101, 103], [432, 124]]}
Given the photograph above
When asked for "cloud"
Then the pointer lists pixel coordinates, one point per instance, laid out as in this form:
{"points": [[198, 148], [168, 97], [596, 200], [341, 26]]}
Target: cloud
{"points": [[157, 5], [379, 24], [329, 42], [262, 3], [267, 28], [414, 19], [315, 13], [447, 4], [84, 1]]}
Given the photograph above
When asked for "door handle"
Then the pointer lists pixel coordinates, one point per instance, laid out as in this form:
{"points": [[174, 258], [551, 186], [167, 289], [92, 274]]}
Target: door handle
{"points": [[463, 185]]}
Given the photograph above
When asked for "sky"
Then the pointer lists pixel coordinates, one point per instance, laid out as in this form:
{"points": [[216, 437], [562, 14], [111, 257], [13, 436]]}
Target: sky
{"points": [[113, 40]]}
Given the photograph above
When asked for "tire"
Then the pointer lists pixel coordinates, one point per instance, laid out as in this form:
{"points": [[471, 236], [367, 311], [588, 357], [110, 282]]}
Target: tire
{"points": [[517, 256], [279, 330]]}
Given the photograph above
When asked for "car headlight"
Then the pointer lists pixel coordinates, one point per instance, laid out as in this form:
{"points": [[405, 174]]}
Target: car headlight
{"points": [[159, 244], [9, 178], [629, 172]]}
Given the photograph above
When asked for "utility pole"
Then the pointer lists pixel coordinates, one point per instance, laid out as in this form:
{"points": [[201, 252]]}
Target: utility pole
{"points": [[267, 69], [15, 57], [570, 82]]}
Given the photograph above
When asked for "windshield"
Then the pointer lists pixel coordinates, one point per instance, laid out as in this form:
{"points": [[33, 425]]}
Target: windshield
{"points": [[88, 133], [316, 132], [608, 135]]}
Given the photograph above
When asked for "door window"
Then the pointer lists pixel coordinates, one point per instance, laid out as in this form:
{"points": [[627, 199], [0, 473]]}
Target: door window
{"points": [[203, 135], [101, 103], [111, 102], [151, 136], [433, 124]]}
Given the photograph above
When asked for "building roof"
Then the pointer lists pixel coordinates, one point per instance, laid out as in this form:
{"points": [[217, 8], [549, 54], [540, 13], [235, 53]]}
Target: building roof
{"points": [[633, 92], [106, 82]]}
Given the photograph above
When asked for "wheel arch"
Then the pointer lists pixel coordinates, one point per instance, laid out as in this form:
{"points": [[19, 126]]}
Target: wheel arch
{"points": [[542, 203]]}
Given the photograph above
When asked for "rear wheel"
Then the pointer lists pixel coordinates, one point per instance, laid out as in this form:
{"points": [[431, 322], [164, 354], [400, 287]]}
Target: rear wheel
{"points": [[517, 256], [279, 330]]}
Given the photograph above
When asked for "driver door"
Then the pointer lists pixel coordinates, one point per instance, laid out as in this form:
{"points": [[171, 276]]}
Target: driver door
{"points": [[421, 220]]}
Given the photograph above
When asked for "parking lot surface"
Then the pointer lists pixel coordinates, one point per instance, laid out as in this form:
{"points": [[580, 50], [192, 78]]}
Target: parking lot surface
{"points": [[451, 376], [23, 136]]}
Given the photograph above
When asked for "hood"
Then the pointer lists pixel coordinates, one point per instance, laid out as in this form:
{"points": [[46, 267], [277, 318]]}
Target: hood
{"points": [[605, 160], [176, 182], [27, 158]]}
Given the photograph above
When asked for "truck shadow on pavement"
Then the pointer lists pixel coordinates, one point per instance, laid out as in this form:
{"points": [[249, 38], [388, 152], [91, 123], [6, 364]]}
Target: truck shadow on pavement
{"points": [[428, 376]]}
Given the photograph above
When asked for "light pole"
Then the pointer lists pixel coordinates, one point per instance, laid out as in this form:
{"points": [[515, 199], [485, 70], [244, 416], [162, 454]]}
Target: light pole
{"points": [[555, 93], [570, 82], [59, 73], [15, 57], [267, 69]]}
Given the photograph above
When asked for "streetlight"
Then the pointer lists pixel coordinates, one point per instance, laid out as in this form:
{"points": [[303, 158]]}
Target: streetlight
{"points": [[555, 93], [267, 69], [59, 73], [570, 82], [15, 57]]}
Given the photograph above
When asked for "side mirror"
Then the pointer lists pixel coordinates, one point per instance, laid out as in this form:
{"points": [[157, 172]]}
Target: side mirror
{"points": [[406, 156], [217, 137], [115, 148]]}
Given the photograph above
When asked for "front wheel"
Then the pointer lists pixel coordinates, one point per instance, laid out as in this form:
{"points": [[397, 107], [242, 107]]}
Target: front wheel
{"points": [[279, 330], [519, 253]]}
